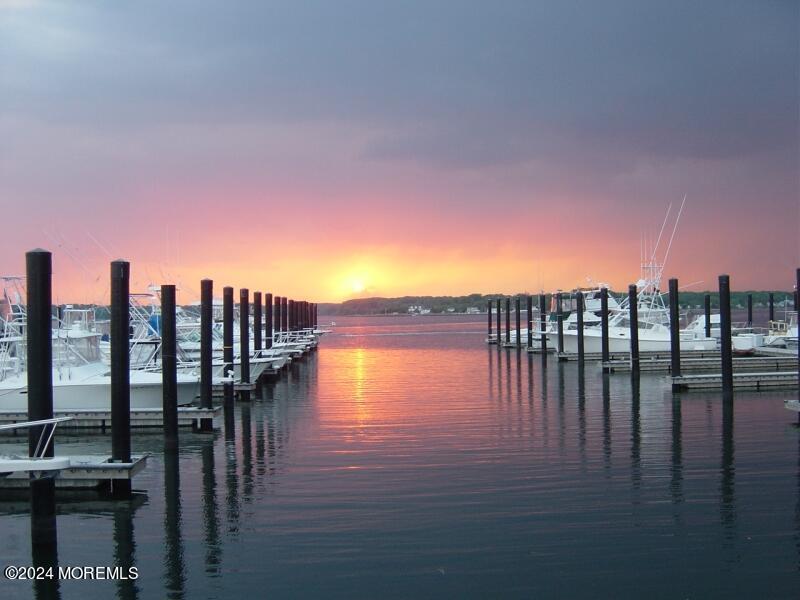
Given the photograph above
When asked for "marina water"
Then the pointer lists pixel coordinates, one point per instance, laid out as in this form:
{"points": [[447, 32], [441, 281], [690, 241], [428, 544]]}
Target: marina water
{"points": [[407, 459]]}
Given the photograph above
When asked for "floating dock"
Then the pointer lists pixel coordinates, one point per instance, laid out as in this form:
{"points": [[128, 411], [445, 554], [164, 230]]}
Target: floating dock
{"points": [[750, 381], [82, 472], [188, 416], [744, 363]]}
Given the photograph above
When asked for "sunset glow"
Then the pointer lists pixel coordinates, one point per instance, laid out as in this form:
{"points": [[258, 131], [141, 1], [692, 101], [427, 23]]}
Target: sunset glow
{"points": [[502, 152]]}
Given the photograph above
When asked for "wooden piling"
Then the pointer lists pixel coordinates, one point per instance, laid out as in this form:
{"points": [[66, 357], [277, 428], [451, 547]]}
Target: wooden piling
{"points": [[508, 320], [726, 351], [39, 327], [543, 324], [674, 329], [707, 312], [579, 309], [244, 340], [169, 367], [489, 324], [560, 322], [749, 310], [604, 324], [633, 315], [38, 264], [227, 346], [268, 320], [530, 321], [120, 371], [206, 348], [771, 306], [258, 321], [499, 340], [518, 311]]}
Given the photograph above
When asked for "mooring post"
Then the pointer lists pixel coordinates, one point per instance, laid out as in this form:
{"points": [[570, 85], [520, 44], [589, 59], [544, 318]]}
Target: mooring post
{"points": [[771, 306], [291, 316], [579, 310], [726, 350], [604, 349], [278, 315], [633, 316], [284, 314], [749, 310], [674, 329], [316, 315], [530, 321], [169, 367], [560, 323], [38, 265], [518, 311], [258, 321], [227, 346], [797, 284], [543, 323], [206, 348], [489, 325], [707, 310], [267, 321], [120, 371], [499, 330], [244, 340], [508, 320]]}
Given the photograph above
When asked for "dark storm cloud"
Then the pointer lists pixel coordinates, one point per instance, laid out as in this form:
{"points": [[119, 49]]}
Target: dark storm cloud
{"points": [[451, 83]]}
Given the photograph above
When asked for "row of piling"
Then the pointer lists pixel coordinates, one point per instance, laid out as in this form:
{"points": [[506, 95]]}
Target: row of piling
{"points": [[634, 354]]}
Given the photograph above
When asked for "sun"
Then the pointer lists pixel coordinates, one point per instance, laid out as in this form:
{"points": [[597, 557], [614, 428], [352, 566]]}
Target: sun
{"points": [[357, 285]]}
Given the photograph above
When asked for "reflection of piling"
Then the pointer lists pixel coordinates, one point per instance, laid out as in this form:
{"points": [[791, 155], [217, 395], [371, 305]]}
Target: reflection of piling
{"points": [[244, 340], [169, 366], [206, 349], [268, 321], [674, 329], [707, 311], [517, 322], [579, 310], [725, 336], [124, 552], [633, 314], [560, 322], [227, 345], [604, 324], [174, 572], [44, 535], [543, 324], [258, 323], [120, 372]]}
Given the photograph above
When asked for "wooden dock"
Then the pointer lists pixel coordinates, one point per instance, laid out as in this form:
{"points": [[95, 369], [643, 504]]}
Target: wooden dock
{"points": [[189, 416], [84, 472], [643, 356], [689, 365], [751, 381]]}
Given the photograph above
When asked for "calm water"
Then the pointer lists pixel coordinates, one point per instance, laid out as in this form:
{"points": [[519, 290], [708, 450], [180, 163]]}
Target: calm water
{"points": [[407, 459]]}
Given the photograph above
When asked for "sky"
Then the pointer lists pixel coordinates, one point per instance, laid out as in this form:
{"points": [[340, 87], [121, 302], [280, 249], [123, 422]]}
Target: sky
{"points": [[330, 150]]}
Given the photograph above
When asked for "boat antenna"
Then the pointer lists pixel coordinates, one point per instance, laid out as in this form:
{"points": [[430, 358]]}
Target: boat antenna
{"points": [[660, 233], [674, 229]]}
